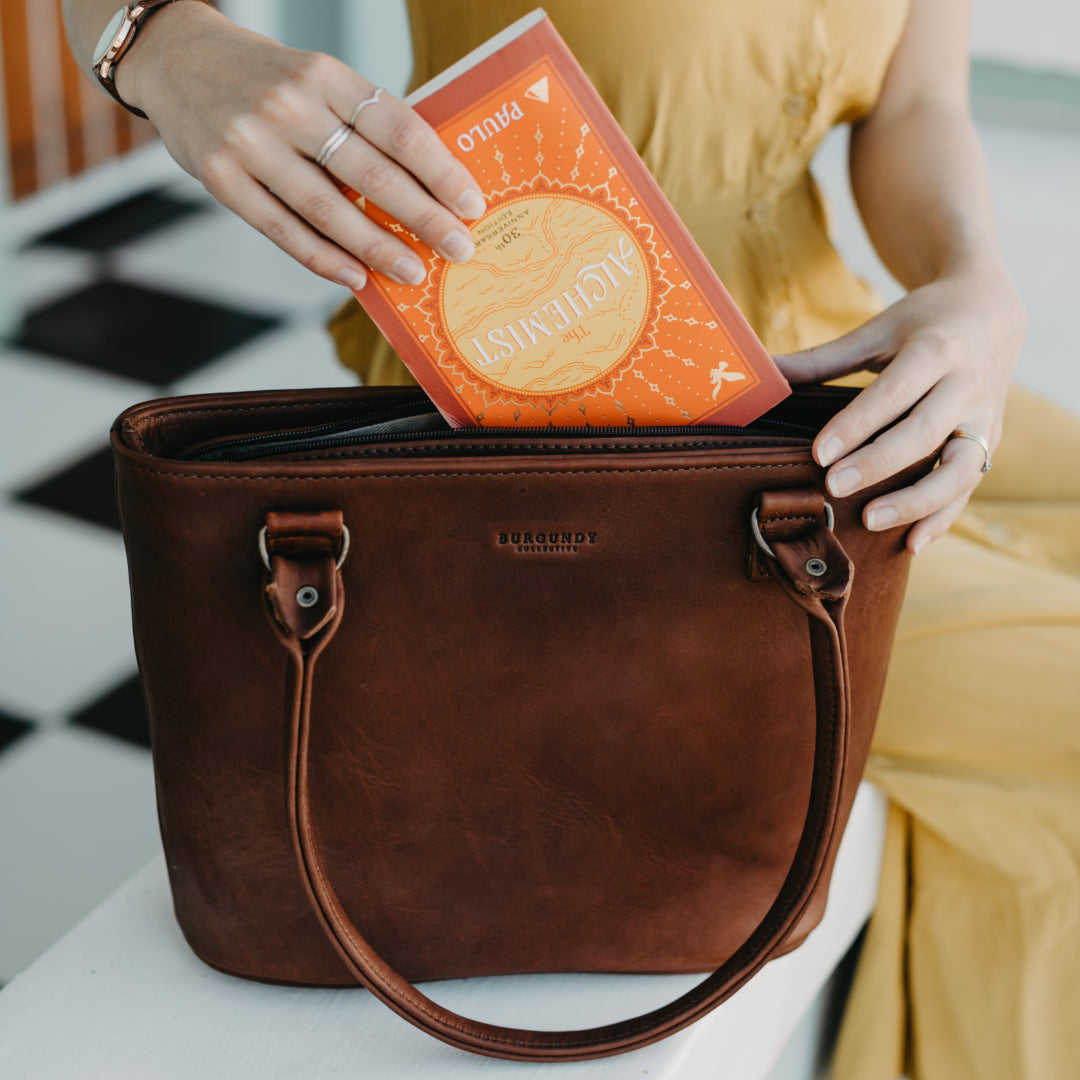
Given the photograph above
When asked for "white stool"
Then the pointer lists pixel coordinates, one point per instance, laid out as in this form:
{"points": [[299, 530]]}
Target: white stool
{"points": [[122, 997]]}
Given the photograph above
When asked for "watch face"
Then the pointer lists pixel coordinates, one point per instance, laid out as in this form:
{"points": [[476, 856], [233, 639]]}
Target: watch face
{"points": [[108, 35]]}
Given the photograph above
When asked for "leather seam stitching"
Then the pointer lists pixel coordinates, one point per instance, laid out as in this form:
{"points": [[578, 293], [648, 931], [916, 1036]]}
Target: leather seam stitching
{"points": [[584, 447], [435, 475], [222, 410]]}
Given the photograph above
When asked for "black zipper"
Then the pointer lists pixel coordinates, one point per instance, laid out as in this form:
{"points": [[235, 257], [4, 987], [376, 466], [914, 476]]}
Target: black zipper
{"points": [[352, 423], [355, 431]]}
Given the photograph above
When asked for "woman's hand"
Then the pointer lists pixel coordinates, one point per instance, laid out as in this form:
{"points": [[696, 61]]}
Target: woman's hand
{"points": [[945, 352], [247, 117]]}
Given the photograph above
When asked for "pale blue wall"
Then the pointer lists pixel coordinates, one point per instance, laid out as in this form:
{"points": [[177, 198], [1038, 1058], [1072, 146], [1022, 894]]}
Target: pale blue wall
{"points": [[1035, 34], [370, 35]]}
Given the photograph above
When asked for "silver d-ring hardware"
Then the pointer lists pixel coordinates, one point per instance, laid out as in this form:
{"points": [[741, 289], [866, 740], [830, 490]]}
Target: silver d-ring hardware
{"points": [[816, 567], [346, 540], [307, 597], [755, 528]]}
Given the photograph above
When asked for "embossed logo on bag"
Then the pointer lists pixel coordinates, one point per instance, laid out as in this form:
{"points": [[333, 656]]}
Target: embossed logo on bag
{"points": [[546, 541]]}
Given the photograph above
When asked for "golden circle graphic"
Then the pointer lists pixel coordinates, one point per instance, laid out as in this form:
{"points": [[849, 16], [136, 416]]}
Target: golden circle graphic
{"points": [[556, 297]]}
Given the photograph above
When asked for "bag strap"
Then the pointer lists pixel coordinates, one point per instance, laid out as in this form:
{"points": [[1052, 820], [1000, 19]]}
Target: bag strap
{"points": [[304, 552]]}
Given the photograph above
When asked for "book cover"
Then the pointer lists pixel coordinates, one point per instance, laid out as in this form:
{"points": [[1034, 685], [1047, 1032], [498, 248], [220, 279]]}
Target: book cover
{"points": [[587, 302]]}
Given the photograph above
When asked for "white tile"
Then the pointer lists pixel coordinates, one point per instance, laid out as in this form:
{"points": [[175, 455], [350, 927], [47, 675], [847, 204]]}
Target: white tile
{"points": [[70, 200], [52, 413], [79, 819], [66, 619], [298, 356], [45, 273], [217, 256], [184, 186]]}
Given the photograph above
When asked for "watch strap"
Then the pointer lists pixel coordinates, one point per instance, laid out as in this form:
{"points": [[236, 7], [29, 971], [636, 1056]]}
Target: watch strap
{"points": [[106, 61]]}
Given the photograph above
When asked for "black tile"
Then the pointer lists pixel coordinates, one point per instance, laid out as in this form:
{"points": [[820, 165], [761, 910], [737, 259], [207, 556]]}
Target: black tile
{"points": [[122, 222], [138, 332], [10, 729], [83, 490], [120, 713]]}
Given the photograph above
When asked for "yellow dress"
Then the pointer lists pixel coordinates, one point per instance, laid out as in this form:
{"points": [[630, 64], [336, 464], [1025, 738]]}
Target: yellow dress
{"points": [[971, 967]]}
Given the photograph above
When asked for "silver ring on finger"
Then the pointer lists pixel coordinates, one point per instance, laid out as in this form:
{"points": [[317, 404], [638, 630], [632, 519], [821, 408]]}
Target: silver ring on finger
{"points": [[959, 433], [373, 100], [332, 145]]}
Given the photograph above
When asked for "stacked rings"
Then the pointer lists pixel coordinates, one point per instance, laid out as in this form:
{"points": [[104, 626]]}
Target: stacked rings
{"points": [[341, 134], [334, 143]]}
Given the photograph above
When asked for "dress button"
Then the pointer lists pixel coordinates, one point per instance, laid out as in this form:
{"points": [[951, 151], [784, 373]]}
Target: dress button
{"points": [[780, 318], [759, 213], [795, 105]]}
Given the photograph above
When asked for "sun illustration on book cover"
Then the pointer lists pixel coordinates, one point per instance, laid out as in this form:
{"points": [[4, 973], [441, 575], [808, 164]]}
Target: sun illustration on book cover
{"points": [[576, 284], [586, 300]]}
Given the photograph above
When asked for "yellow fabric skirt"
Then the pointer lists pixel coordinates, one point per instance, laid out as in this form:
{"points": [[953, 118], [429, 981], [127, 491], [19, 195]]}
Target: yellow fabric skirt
{"points": [[971, 966]]}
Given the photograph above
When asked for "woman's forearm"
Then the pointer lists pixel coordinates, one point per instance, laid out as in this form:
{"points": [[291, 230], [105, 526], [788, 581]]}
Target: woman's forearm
{"points": [[251, 118], [917, 169], [946, 350], [920, 182], [85, 20]]}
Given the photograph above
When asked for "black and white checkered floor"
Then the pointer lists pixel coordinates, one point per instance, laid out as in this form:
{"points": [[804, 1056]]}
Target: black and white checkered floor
{"points": [[165, 294]]}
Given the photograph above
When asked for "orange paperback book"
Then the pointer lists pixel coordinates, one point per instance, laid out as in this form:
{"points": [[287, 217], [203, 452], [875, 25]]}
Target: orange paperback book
{"points": [[587, 302]]}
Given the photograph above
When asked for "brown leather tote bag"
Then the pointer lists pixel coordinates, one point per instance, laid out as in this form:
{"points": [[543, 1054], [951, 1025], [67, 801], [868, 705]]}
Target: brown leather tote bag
{"points": [[429, 703]]}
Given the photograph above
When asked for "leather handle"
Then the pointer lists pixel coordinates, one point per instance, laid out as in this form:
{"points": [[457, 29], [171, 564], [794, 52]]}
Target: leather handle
{"points": [[822, 596]]}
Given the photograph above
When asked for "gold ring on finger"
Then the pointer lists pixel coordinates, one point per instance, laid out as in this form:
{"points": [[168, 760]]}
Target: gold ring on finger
{"points": [[332, 145], [959, 433]]}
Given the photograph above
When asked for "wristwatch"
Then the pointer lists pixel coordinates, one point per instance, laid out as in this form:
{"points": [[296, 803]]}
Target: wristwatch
{"points": [[115, 41]]}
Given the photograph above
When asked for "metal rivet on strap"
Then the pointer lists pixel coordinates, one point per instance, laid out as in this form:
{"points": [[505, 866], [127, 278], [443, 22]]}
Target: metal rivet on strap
{"points": [[816, 567], [307, 596]]}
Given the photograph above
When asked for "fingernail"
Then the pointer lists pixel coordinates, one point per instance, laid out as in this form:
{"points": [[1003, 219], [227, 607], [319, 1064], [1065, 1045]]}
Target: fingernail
{"points": [[845, 481], [919, 545], [355, 279], [408, 271], [457, 247], [471, 204], [882, 517], [830, 450]]}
